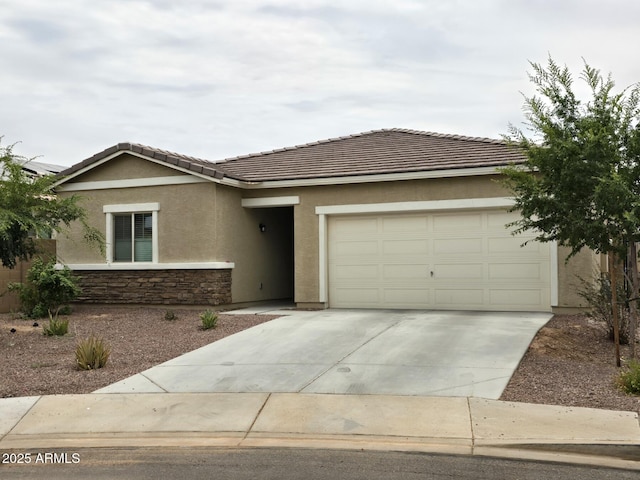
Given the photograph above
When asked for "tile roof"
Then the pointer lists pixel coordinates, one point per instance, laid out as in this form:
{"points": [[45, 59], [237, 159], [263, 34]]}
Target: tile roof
{"points": [[376, 152], [194, 164]]}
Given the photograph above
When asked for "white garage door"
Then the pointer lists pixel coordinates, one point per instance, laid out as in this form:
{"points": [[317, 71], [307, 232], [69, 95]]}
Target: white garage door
{"points": [[463, 260]]}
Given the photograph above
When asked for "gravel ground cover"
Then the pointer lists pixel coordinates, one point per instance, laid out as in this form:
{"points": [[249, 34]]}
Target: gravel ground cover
{"points": [[570, 361], [34, 364]]}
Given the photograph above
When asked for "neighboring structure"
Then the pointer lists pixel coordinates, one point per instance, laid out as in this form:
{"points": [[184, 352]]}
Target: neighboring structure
{"points": [[383, 219], [38, 168]]}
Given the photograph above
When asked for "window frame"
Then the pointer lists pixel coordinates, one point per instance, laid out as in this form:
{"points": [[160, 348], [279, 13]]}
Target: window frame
{"points": [[131, 208]]}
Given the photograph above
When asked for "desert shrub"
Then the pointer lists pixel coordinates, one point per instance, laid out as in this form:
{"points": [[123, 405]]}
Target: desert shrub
{"points": [[92, 353], [56, 326], [209, 319], [597, 294], [629, 379], [170, 315], [46, 289]]}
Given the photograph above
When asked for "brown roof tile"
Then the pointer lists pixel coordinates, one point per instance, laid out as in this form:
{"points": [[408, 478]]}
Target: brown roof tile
{"points": [[376, 152], [183, 161]]}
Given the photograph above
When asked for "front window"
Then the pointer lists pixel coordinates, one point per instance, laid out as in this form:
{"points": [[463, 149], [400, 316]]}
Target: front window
{"points": [[133, 234]]}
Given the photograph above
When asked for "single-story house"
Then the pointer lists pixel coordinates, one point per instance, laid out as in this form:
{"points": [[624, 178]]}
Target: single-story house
{"points": [[389, 218]]}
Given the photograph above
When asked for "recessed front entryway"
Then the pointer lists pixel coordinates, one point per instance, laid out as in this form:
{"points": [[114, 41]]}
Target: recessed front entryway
{"points": [[441, 260], [265, 269]]}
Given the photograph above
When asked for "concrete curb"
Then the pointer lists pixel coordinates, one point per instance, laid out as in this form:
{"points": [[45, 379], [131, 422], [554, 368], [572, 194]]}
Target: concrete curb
{"points": [[452, 425]]}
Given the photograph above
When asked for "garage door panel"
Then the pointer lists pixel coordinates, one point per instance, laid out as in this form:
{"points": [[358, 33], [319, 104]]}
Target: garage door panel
{"points": [[496, 220], [360, 225], [460, 297], [513, 298], [385, 261], [404, 224], [356, 272], [359, 297], [404, 272], [518, 271], [456, 246], [350, 248], [456, 222], [459, 271], [405, 247], [410, 297], [513, 245]]}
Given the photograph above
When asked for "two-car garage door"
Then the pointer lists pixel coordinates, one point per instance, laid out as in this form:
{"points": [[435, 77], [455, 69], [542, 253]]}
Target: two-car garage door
{"points": [[465, 260]]}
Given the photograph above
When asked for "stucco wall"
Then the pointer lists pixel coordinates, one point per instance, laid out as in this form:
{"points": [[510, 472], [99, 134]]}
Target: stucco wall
{"points": [[263, 261], [306, 223], [205, 222], [186, 221], [573, 273], [127, 166], [200, 222]]}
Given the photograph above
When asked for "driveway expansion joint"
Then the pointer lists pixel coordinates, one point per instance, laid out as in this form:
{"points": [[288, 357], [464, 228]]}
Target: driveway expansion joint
{"points": [[255, 419], [473, 436], [155, 383], [4, 431]]}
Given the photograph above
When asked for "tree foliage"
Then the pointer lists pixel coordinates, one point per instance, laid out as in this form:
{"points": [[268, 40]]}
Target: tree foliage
{"points": [[30, 208], [580, 183]]}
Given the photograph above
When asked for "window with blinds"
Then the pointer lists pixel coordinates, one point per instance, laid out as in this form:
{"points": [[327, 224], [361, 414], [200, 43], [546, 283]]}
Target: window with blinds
{"points": [[133, 234]]}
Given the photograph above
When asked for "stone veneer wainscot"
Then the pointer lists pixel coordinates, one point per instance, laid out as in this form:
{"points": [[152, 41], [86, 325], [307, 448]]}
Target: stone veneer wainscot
{"points": [[154, 287]]}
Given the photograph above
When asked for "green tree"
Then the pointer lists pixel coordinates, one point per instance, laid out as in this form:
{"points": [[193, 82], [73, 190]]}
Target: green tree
{"points": [[580, 183], [29, 208]]}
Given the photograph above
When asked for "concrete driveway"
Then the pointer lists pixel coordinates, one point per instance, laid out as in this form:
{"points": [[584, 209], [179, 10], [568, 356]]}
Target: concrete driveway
{"points": [[388, 352]]}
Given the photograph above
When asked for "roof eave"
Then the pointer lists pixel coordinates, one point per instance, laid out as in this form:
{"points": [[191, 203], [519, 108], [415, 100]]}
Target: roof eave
{"points": [[371, 178]]}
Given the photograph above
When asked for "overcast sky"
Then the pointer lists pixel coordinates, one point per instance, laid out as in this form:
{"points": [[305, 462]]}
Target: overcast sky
{"points": [[219, 78]]}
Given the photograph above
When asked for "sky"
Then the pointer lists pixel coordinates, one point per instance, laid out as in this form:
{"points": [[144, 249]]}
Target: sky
{"points": [[220, 78]]}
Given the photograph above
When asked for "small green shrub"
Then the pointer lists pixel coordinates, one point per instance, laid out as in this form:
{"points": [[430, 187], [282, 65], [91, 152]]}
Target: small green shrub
{"points": [[92, 353], [47, 288], [209, 319], [170, 315], [38, 311], [629, 379], [65, 310], [56, 327]]}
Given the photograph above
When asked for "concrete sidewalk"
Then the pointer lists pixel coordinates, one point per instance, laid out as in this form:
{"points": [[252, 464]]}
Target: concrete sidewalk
{"points": [[456, 425]]}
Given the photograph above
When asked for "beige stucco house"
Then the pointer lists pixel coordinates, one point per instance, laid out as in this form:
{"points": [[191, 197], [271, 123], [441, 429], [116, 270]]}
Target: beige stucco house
{"points": [[383, 219]]}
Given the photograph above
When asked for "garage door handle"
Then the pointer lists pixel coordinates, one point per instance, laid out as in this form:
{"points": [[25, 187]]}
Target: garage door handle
{"points": [[432, 273]]}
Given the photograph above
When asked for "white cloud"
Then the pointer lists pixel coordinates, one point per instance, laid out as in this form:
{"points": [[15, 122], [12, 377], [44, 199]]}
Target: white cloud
{"points": [[222, 78]]}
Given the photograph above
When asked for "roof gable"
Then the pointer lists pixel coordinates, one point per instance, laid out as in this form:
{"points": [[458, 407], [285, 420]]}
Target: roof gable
{"points": [[177, 161], [374, 153], [126, 166]]}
